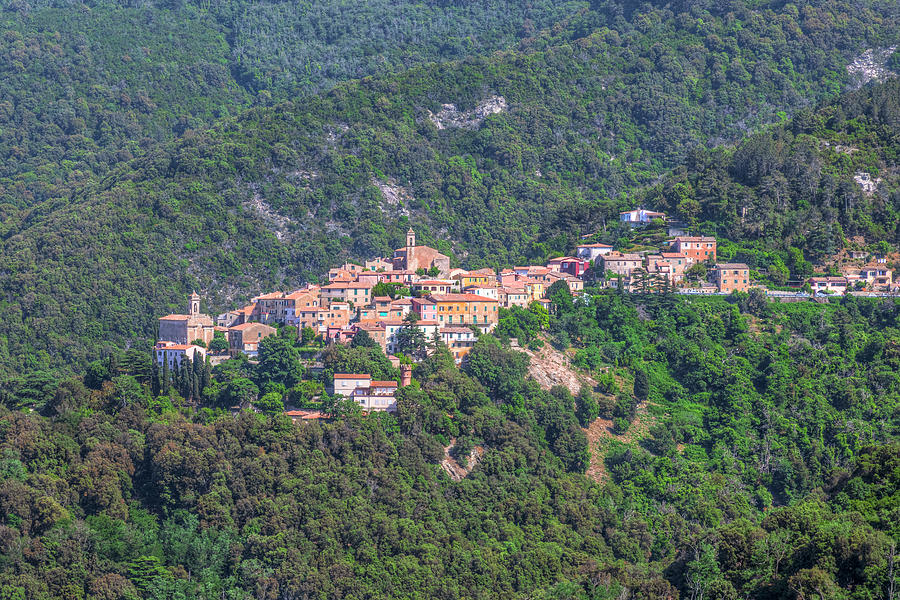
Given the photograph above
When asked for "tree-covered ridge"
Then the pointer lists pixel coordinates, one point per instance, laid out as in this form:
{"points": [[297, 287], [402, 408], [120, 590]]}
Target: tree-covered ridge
{"points": [[83, 89], [89, 86], [287, 48], [278, 194], [801, 184], [771, 471]]}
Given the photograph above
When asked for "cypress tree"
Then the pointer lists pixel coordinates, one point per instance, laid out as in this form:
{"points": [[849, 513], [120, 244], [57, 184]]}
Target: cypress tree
{"points": [[166, 379]]}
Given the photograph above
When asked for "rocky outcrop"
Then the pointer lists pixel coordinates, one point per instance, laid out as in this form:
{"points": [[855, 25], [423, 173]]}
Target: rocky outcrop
{"points": [[450, 116], [870, 66]]}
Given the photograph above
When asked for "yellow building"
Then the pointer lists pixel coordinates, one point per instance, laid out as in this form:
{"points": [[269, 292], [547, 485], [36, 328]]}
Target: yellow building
{"points": [[465, 309]]}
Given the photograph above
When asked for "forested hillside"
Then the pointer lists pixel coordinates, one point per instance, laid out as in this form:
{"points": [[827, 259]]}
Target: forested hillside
{"points": [[86, 86], [277, 194], [801, 184], [771, 469]]}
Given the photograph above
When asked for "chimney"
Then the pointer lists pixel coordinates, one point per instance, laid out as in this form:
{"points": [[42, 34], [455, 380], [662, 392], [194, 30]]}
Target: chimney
{"points": [[405, 375]]}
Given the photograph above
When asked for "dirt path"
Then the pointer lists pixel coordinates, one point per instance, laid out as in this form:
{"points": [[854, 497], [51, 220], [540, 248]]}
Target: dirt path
{"points": [[601, 432]]}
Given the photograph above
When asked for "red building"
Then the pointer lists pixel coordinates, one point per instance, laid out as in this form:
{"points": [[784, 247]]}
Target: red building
{"points": [[699, 248]]}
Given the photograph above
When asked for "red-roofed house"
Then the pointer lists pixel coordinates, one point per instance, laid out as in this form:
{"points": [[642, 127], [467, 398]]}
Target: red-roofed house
{"points": [[370, 395], [172, 354], [466, 309], [425, 308], [392, 328], [436, 286], [356, 292], [699, 248], [459, 340], [245, 338], [592, 251]]}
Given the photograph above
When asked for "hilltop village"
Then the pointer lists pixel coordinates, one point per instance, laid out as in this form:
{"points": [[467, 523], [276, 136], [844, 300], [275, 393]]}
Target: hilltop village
{"points": [[416, 290]]}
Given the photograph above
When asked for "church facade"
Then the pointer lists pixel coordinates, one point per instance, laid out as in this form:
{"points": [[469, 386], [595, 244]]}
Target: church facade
{"points": [[413, 257]]}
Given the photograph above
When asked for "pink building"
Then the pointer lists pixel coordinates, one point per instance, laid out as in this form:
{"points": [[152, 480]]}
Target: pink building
{"points": [[425, 308]]}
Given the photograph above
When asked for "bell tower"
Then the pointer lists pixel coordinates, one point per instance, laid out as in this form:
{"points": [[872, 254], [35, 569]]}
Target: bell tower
{"points": [[410, 239], [194, 308]]}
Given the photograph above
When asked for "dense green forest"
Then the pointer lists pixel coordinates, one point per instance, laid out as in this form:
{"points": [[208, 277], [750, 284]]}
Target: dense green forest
{"points": [[771, 470], [794, 185], [724, 448], [275, 195]]}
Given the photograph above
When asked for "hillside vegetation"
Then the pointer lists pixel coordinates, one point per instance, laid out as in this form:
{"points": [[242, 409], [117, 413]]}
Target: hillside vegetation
{"points": [[277, 194], [801, 184], [772, 471]]}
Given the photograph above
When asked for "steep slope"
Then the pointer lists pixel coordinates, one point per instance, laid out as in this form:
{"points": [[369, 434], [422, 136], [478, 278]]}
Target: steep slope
{"points": [[88, 86], [276, 195], [829, 175]]}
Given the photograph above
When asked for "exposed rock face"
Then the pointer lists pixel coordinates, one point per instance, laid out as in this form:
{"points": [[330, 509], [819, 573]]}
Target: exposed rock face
{"points": [[450, 116], [455, 470], [280, 224], [870, 66], [866, 182]]}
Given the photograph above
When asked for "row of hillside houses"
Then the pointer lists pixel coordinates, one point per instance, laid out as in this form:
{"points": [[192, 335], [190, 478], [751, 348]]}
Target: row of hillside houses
{"points": [[667, 268], [876, 277], [450, 304]]}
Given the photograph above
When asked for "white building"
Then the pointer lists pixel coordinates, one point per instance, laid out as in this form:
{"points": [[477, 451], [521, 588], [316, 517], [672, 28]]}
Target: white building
{"points": [[592, 251], [172, 354], [393, 327], [370, 395], [640, 216], [480, 290]]}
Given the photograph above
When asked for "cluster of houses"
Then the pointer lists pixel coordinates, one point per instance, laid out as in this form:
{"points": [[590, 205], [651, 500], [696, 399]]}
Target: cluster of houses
{"points": [[874, 276], [449, 304]]}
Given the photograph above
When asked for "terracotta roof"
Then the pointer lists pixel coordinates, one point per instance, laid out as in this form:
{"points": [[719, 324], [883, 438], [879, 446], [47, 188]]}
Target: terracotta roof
{"points": [[168, 346], [306, 414], [401, 302], [271, 296], [694, 238], [338, 285], [433, 282], [620, 256], [244, 326], [460, 298], [424, 322], [300, 294], [672, 255], [456, 330], [381, 299], [175, 318], [352, 376], [638, 210], [383, 384], [247, 309], [732, 266], [594, 246]]}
